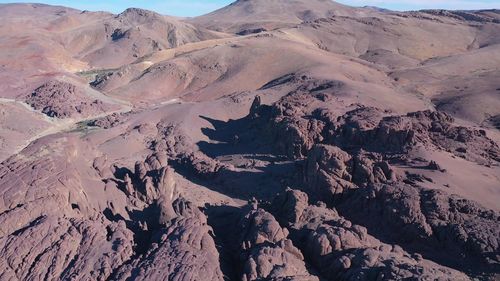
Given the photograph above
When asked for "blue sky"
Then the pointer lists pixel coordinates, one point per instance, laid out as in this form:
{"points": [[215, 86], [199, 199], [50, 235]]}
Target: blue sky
{"points": [[198, 7]]}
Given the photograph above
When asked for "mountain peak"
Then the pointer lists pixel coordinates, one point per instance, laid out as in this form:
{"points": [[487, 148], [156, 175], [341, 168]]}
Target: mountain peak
{"points": [[270, 14], [135, 13]]}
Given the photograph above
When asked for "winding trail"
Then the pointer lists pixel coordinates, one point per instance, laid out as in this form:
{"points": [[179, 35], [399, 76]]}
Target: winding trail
{"points": [[62, 125], [68, 124]]}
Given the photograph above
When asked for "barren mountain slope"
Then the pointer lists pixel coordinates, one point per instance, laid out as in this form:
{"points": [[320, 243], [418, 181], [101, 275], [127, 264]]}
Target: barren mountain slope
{"points": [[56, 39], [210, 73], [393, 43], [340, 144], [46, 45], [450, 58], [465, 85], [123, 38], [249, 16]]}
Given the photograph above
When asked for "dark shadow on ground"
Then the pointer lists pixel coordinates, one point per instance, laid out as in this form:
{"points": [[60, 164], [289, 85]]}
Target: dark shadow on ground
{"points": [[254, 169], [431, 247], [233, 137], [223, 220], [263, 183]]}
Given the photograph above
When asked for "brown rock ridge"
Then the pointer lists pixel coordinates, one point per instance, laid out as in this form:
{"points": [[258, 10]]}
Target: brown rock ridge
{"points": [[295, 127], [182, 249], [136, 220], [266, 251], [353, 165], [64, 100], [342, 250], [50, 228], [445, 227]]}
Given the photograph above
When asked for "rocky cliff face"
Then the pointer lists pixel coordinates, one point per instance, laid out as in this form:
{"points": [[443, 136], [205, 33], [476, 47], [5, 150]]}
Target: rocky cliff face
{"points": [[65, 100]]}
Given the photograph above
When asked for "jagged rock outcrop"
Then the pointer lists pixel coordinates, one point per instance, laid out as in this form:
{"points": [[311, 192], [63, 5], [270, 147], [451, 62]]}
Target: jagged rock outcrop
{"points": [[297, 122], [200, 165], [65, 224], [398, 134], [50, 228], [182, 250], [370, 168], [341, 250], [472, 16], [150, 181], [329, 171], [351, 156], [52, 248], [167, 193], [284, 123], [171, 140], [172, 232], [109, 121], [64, 100], [267, 254], [430, 220], [254, 108]]}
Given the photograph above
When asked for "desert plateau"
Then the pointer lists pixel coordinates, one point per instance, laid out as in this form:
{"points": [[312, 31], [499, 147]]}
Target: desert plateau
{"points": [[269, 140]]}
